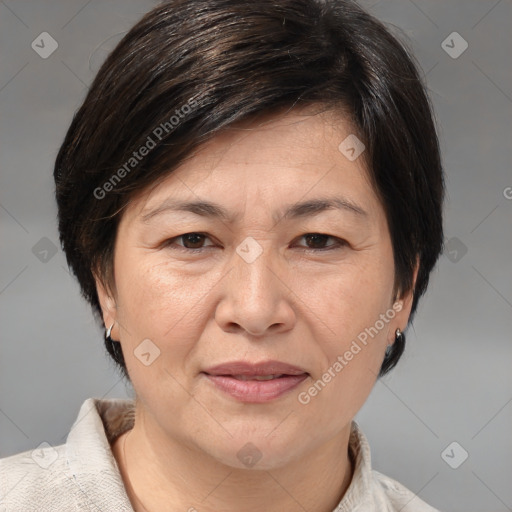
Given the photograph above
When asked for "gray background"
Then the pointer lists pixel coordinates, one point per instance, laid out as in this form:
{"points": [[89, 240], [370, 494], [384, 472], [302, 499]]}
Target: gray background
{"points": [[454, 382]]}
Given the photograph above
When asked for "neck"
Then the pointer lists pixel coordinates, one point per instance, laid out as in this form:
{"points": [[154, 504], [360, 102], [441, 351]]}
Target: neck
{"points": [[164, 474]]}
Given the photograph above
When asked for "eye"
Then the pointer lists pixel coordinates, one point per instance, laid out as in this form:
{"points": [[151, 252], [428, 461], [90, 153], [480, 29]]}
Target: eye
{"points": [[319, 239], [191, 242]]}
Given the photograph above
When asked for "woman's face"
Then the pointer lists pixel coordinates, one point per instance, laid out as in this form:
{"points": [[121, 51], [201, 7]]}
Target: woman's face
{"points": [[255, 286]]}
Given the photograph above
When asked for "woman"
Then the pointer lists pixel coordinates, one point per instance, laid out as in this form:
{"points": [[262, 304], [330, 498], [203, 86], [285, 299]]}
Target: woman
{"points": [[251, 198]]}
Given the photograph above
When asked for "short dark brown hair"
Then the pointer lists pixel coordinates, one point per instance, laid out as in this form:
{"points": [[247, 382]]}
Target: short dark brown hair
{"points": [[190, 68]]}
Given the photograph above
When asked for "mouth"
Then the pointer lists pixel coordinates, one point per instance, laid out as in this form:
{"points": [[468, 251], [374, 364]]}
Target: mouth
{"points": [[256, 377], [255, 383]]}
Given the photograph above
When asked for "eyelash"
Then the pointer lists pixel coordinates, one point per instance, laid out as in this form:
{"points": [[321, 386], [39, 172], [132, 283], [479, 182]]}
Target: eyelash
{"points": [[340, 243]]}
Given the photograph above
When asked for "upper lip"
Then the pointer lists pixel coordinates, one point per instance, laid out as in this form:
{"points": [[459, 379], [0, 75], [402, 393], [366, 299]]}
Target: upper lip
{"points": [[255, 369]]}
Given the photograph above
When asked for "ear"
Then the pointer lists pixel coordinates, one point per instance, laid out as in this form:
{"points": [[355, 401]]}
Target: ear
{"points": [[108, 305], [403, 306]]}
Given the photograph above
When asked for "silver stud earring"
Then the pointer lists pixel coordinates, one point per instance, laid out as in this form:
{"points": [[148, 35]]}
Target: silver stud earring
{"points": [[109, 330], [398, 336]]}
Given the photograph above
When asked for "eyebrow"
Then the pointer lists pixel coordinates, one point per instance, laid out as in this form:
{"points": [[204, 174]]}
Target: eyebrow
{"points": [[297, 210]]}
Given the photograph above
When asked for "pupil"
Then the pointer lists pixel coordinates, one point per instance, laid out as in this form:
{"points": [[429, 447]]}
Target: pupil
{"points": [[196, 236], [316, 238]]}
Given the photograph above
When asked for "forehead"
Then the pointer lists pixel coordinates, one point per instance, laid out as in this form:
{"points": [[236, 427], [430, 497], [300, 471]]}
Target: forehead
{"points": [[273, 160]]}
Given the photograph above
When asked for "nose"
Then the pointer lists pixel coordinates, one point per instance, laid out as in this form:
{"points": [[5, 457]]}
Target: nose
{"points": [[256, 298]]}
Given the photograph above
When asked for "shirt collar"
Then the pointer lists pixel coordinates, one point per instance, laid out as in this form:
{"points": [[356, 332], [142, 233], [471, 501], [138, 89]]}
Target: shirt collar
{"points": [[359, 494], [89, 455]]}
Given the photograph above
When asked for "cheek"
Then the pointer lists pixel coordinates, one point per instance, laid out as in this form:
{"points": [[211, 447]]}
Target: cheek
{"points": [[351, 300], [162, 302], [351, 352], [165, 306], [355, 302]]}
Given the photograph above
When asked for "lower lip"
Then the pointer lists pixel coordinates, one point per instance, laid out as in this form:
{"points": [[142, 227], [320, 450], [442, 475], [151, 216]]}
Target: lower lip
{"points": [[256, 391]]}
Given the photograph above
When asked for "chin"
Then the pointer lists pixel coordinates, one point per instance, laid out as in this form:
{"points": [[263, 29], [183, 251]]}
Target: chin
{"points": [[258, 452]]}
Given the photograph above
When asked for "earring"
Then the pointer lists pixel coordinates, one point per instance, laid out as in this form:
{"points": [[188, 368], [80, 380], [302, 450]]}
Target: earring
{"points": [[109, 330], [398, 337]]}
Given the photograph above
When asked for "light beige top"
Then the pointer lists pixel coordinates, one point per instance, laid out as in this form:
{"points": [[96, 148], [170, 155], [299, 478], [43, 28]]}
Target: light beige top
{"points": [[82, 474]]}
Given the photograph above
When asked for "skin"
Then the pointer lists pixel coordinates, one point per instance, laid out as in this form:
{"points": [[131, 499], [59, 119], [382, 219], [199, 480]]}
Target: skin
{"points": [[201, 309]]}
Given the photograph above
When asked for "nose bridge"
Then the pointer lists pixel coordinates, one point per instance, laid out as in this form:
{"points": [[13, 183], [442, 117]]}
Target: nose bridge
{"points": [[255, 269], [255, 299]]}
